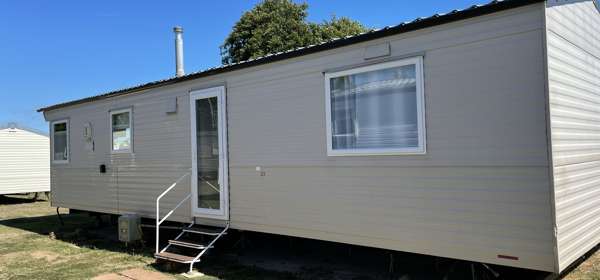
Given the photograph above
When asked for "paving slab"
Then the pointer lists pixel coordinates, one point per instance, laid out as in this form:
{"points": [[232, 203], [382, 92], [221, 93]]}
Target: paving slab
{"points": [[193, 274], [142, 274], [134, 274], [111, 276]]}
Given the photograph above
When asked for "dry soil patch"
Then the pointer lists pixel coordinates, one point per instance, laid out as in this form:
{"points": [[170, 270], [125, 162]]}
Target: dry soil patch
{"points": [[48, 256]]}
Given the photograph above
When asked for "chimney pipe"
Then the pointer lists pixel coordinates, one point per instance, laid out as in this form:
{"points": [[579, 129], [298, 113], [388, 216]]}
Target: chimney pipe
{"points": [[178, 51]]}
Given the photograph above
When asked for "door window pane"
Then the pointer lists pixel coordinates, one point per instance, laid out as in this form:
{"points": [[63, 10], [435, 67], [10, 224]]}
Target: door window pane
{"points": [[60, 141], [121, 131], [207, 141], [375, 110]]}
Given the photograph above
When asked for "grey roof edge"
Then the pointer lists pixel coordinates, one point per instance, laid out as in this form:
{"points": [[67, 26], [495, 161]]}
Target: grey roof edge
{"points": [[416, 24], [22, 127]]}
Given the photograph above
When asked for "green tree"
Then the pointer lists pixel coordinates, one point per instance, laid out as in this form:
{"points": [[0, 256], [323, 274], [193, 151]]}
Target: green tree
{"points": [[279, 25], [337, 28]]}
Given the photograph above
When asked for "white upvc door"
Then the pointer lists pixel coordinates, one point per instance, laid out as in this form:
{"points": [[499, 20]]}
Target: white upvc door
{"points": [[210, 190]]}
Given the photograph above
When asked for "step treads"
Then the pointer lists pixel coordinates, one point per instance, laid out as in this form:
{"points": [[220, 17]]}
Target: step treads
{"points": [[174, 257], [204, 230], [187, 243]]}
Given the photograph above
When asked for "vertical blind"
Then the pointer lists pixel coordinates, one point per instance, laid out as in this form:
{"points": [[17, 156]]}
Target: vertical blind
{"points": [[375, 109]]}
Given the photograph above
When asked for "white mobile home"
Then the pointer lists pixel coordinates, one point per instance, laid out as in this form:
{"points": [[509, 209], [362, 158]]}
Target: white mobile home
{"points": [[471, 135], [24, 160]]}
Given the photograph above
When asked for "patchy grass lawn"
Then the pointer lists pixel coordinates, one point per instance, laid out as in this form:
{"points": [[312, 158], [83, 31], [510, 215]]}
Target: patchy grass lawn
{"points": [[33, 245]]}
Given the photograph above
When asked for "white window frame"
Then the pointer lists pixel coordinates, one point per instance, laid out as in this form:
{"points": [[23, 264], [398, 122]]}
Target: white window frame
{"points": [[66, 122], [110, 118], [420, 149], [223, 212]]}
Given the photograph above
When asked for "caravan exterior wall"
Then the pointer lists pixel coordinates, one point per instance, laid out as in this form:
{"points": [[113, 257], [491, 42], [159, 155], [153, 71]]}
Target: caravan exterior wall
{"points": [[573, 44], [480, 191], [24, 161]]}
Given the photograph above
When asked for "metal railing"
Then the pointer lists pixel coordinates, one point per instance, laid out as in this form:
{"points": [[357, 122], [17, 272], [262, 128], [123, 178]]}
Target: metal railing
{"points": [[197, 258], [158, 219]]}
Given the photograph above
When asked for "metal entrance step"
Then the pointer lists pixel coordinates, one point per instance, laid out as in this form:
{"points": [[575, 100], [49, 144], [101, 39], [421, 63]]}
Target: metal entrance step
{"points": [[189, 241], [204, 230], [174, 257], [187, 244], [212, 233]]}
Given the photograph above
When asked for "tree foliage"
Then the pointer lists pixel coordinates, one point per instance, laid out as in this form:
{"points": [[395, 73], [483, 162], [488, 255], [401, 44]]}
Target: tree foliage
{"points": [[337, 28], [279, 25]]}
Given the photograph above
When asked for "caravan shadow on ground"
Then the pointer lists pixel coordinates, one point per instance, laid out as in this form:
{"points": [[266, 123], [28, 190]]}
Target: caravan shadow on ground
{"points": [[248, 255], [8, 200], [314, 259], [78, 229]]}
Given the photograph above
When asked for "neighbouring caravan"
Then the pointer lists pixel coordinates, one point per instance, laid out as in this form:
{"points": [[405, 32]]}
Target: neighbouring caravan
{"points": [[24, 161], [472, 135]]}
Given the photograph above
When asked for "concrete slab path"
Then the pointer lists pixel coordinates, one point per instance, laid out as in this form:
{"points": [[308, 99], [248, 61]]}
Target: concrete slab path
{"points": [[134, 274]]}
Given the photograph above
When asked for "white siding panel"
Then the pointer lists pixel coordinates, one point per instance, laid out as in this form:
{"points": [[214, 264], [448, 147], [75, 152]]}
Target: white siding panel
{"points": [[24, 161], [573, 44], [479, 212]]}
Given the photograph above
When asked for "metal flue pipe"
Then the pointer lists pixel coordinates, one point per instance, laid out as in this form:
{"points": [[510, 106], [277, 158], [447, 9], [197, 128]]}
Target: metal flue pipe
{"points": [[179, 51]]}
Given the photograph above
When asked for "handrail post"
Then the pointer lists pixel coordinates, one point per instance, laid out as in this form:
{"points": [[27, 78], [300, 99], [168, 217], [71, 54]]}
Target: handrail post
{"points": [[158, 220], [157, 225]]}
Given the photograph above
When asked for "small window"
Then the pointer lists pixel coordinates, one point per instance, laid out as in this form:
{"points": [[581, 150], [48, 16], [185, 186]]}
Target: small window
{"points": [[121, 130], [60, 141], [376, 110]]}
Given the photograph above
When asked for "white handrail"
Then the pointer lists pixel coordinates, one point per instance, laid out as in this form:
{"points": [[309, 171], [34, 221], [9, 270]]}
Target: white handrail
{"points": [[158, 219], [173, 210]]}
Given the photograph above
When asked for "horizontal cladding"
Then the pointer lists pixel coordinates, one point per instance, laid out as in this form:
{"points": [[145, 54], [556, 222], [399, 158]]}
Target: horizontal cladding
{"points": [[485, 209], [133, 199], [482, 188], [24, 162], [574, 86], [81, 186], [121, 190]]}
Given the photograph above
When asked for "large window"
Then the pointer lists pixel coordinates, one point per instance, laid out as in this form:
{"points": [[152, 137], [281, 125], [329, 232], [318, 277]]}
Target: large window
{"points": [[376, 109], [121, 130], [60, 141]]}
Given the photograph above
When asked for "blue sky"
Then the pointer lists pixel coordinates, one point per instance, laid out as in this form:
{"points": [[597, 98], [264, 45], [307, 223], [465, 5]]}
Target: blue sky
{"points": [[56, 51]]}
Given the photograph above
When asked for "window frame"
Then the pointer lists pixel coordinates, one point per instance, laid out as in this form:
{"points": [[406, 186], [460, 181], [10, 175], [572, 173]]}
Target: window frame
{"points": [[420, 95], [67, 144], [110, 124]]}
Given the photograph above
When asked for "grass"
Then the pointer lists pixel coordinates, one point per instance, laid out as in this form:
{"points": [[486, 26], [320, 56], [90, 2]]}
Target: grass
{"points": [[33, 245], [588, 270]]}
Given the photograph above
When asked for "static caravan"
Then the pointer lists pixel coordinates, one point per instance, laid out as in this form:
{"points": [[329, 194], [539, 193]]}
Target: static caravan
{"points": [[472, 135], [24, 161]]}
